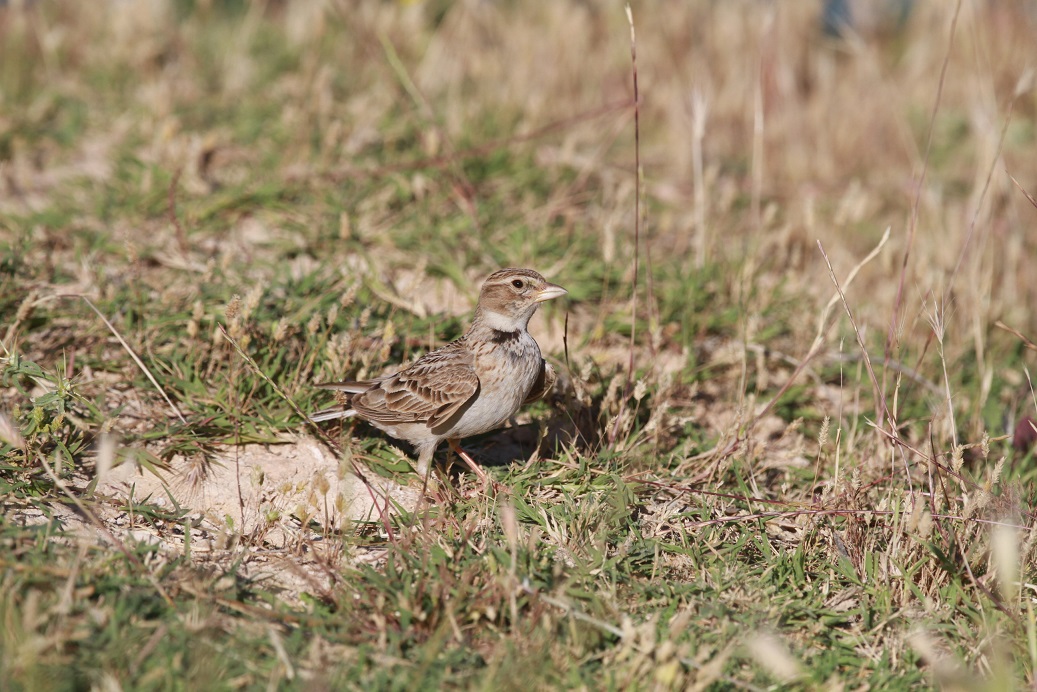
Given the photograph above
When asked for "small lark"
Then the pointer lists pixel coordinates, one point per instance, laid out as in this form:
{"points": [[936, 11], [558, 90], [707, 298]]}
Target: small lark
{"points": [[471, 385]]}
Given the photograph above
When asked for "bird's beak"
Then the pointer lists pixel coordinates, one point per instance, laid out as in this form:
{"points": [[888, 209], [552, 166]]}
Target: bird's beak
{"points": [[550, 291]]}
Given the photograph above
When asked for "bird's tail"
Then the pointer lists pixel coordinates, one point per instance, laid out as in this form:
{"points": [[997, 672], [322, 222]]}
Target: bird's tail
{"points": [[347, 387], [332, 414], [342, 410]]}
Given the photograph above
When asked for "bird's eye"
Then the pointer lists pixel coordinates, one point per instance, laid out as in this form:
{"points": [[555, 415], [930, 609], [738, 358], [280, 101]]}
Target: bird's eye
{"points": [[517, 283]]}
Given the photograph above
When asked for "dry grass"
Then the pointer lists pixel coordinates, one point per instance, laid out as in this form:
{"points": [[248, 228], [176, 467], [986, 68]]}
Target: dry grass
{"points": [[809, 478]]}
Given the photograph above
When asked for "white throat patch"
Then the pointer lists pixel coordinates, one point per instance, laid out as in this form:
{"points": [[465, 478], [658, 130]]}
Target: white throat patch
{"points": [[495, 320]]}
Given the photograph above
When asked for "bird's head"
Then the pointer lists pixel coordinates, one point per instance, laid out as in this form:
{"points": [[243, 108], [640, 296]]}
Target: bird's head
{"points": [[509, 297]]}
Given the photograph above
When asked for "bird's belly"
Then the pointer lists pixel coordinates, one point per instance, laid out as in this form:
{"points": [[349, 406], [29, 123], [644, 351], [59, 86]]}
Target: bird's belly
{"points": [[497, 401], [486, 414], [413, 433]]}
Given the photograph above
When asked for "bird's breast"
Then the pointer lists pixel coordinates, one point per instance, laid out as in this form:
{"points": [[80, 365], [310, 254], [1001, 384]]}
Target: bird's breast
{"points": [[507, 372]]}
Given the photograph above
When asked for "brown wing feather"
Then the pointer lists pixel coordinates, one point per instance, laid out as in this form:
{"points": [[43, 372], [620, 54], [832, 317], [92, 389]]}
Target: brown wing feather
{"points": [[429, 391], [545, 380]]}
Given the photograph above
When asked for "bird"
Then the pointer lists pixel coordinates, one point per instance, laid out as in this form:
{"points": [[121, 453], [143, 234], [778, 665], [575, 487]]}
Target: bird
{"points": [[470, 386]]}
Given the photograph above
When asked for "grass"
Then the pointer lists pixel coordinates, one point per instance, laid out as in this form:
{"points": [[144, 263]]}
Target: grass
{"points": [[774, 495]]}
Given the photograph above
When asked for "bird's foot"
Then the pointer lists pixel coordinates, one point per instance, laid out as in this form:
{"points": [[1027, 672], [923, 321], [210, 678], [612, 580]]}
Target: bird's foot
{"points": [[494, 486]]}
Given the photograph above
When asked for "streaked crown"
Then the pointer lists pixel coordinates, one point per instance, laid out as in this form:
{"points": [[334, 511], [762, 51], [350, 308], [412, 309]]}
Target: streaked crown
{"points": [[515, 294]]}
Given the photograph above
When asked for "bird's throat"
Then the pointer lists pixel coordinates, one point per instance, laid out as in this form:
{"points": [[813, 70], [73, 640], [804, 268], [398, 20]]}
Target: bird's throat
{"points": [[499, 322]]}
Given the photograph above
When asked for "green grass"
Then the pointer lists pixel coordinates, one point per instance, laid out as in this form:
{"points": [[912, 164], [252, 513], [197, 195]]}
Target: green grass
{"points": [[329, 186]]}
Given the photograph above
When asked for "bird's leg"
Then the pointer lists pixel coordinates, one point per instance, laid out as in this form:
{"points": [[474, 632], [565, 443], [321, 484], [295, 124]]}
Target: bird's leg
{"points": [[424, 465], [456, 446]]}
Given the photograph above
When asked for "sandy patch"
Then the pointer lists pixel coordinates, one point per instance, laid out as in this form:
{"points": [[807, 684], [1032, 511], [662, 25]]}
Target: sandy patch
{"points": [[270, 513], [264, 491]]}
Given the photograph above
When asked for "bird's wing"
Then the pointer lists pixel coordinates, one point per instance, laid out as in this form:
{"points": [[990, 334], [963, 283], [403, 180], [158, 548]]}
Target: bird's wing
{"points": [[429, 391], [542, 385]]}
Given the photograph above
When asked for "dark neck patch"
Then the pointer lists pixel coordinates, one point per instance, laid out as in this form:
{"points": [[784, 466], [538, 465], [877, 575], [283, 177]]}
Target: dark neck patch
{"points": [[498, 336]]}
